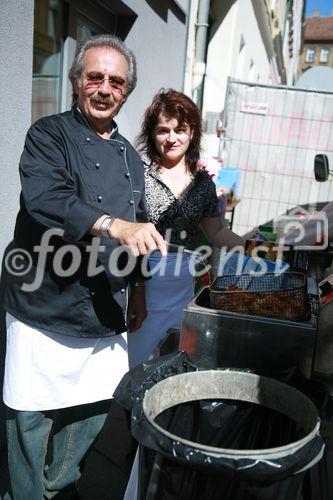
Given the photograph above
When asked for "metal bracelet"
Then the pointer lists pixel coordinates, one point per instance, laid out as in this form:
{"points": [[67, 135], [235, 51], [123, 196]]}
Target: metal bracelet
{"points": [[105, 226]]}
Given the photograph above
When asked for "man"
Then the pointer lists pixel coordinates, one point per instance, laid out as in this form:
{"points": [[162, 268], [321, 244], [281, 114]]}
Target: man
{"points": [[66, 346]]}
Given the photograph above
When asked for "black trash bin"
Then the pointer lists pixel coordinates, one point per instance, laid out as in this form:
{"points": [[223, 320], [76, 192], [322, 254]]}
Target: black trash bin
{"points": [[199, 432]]}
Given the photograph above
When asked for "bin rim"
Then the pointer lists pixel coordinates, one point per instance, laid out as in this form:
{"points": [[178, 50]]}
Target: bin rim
{"points": [[264, 454]]}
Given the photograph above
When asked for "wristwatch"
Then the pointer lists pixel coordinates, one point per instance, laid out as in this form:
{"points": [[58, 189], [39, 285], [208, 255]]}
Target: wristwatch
{"points": [[106, 224]]}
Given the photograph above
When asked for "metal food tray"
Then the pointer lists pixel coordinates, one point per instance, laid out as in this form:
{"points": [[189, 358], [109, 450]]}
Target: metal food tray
{"points": [[214, 338], [281, 296]]}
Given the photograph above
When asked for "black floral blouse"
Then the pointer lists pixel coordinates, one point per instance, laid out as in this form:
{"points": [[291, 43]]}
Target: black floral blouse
{"points": [[177, 219]]}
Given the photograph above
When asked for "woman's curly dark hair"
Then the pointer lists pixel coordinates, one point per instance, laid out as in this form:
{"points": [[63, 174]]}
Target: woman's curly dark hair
{"points": [[179, 106]]}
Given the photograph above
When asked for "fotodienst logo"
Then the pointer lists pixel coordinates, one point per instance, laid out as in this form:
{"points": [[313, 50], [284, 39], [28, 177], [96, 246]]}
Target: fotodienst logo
{"points": [[302, 230]]}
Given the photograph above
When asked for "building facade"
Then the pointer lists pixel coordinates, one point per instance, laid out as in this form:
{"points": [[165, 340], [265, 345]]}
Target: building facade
{"points": [[318, 43], [292, 30], [240, 43], [38, 43]]}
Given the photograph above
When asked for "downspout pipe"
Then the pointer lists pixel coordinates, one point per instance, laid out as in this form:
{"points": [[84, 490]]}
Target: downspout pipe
{"points": [[200, 48]]}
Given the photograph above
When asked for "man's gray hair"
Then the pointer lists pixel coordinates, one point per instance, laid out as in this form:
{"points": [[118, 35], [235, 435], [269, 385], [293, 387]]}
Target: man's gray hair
{"points": [[112, 42]]}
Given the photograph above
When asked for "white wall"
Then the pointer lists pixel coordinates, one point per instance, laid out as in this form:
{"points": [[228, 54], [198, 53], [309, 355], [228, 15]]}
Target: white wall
{"points": [[219, 61], [16, 25], [190, 51], [223, 60], [16, 30], [160, 49]]}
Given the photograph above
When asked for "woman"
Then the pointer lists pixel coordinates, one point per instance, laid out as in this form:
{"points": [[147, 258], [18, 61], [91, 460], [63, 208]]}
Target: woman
{"points": [[181, 198]]}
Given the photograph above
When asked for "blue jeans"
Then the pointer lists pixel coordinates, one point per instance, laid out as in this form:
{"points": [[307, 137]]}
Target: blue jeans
{"points": [[45, 448]]}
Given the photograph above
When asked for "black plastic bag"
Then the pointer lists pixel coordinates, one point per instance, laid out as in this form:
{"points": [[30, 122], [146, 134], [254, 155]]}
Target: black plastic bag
{"points": [[191, 472]]}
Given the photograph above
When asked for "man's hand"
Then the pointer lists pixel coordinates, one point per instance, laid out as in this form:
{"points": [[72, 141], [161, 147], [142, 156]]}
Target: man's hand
{"points": [[141, 237], [136, 311]]}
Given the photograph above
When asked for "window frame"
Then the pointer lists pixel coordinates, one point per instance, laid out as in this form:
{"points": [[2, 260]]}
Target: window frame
{"points": [[308, 51], [326, 51], [117, 18]]}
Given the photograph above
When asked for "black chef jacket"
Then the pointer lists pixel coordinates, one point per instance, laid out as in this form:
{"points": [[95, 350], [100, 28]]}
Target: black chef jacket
{"points": [[70, 176]]}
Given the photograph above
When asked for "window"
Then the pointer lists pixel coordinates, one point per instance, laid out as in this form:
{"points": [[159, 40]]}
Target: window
{"points": [[310, 55], [47, 60], [60, 26], [324, 55]]}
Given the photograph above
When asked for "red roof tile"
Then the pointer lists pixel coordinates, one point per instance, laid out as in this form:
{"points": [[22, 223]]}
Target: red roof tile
{"points": [[319, 28]]}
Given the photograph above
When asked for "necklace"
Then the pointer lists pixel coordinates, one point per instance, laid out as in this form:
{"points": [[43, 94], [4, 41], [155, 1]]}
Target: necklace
{"points": [[177, 184]]}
